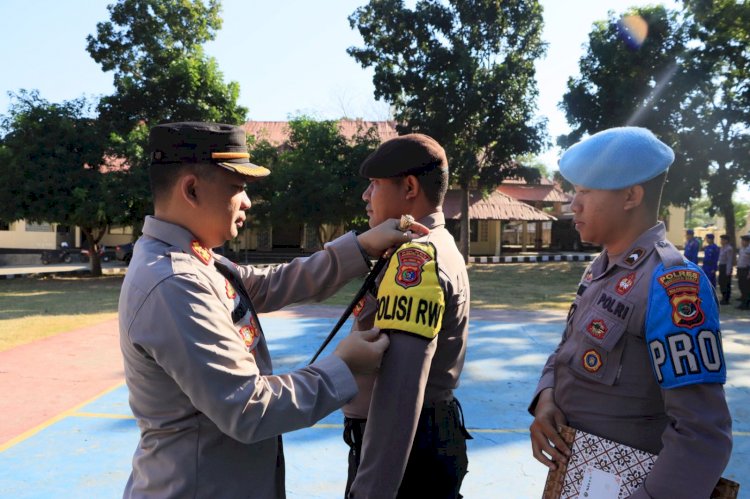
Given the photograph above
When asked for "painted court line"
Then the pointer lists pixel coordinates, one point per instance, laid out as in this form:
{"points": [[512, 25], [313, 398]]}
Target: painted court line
{"points": [[30, 433]]}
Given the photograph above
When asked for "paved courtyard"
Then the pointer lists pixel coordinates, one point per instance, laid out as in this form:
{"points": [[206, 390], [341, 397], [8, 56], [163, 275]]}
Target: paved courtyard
{"points": [[69, 433]]}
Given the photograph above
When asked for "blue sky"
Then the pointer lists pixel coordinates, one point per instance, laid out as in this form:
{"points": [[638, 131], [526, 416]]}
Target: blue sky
{"points": [[289, 56]]}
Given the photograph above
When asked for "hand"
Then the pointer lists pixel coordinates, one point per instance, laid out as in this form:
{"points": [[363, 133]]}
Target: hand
{"points": [[548, 446], [363, 350], [377, 240]]}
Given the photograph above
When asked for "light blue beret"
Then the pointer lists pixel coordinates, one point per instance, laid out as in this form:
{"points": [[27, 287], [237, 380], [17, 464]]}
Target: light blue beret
{"points": [[616, 158]]}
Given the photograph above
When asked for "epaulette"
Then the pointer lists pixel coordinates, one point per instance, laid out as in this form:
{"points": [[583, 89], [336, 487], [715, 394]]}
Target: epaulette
{"points": [[668, 254], [182, 263]]}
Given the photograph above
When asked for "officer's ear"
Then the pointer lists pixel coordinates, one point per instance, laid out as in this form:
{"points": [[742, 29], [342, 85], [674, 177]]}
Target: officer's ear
{"points": [[633, 197], [413, 187], [187, 189]]}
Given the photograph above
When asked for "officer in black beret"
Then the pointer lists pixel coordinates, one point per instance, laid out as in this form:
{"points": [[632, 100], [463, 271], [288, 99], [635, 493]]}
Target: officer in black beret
{"points": [[405, 428], [197, 365]]}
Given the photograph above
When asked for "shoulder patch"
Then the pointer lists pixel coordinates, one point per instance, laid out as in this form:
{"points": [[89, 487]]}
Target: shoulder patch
{"points": [[410, 298], [682, 328]]}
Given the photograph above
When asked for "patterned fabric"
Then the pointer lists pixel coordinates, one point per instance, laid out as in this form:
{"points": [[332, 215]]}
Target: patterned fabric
{"points": [[627, 466]]}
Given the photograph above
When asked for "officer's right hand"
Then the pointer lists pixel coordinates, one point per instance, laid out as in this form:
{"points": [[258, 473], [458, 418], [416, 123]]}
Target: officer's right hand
{"points": [[363, 350], [548, 446]]}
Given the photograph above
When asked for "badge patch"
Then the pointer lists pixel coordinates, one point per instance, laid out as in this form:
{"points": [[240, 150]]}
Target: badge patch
{"points": [[634, 256], [410, 267], [589, 275], [199, 251], [358, 307], [625, 284], [592, 361], [686, 307], [597, 328], [249, 333], [680, 276], [231, 293]]}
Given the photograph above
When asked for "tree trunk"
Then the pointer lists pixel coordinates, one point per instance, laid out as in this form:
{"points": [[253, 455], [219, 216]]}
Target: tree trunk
{"points": [[93, 244], [464, 238], [727, 211]]}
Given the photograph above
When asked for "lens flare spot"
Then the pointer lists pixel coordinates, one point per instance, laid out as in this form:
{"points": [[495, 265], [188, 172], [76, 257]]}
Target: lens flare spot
{"points": [[633, 30]]}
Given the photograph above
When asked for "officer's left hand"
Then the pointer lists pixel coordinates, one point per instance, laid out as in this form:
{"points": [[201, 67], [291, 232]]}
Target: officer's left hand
{"points": [[377, 240]]}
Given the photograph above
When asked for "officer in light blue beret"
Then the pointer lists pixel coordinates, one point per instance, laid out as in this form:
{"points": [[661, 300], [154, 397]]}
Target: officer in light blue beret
{"points": [[640, 361], [616, 158]]}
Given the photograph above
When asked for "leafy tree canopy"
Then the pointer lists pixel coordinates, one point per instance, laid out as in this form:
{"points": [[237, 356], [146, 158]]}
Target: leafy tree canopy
{"points": [[314, 177], [161, 74], [55, 168], [461, 72]]}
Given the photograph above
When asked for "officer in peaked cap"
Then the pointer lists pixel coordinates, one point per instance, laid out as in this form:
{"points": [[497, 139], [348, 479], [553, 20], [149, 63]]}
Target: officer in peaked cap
{"points": [[195, 142], [197, 365], [618, 372], [406, 432]]}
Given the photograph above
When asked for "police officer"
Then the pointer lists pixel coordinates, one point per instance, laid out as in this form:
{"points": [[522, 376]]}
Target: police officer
{"points": [[743, 272], [691, 246], [405, 428], [196, 361], [640, 361], [726, 262], [710, 259]]}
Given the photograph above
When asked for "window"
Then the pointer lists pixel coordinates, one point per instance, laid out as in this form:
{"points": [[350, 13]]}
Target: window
{"points": [[480, 231], [119, 230], [35, 227], [4, 225]]}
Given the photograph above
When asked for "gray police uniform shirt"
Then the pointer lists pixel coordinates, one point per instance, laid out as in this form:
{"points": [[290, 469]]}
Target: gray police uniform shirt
{"points": [[743, 258], [726, 258], [200, 381], [415, 373], [604, 381]]}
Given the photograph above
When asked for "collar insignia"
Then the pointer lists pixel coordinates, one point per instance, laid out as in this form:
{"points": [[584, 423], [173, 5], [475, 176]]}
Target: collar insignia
{"points": [[203, 254]]}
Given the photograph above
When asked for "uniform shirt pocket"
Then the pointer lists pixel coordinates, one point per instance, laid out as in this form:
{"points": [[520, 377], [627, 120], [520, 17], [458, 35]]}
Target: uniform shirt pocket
{"points": [[598, 353]]}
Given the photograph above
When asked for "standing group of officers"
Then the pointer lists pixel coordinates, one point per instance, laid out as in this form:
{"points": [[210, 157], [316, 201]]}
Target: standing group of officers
{"points": [[639, 362], [721, 259]]}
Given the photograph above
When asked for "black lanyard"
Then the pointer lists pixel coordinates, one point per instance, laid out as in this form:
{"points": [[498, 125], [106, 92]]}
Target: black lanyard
{"points": [[245, 302]]}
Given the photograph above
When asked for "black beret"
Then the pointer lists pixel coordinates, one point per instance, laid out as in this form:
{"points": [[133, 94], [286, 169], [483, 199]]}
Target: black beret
{"points": [[410, 154], [197, 142]]}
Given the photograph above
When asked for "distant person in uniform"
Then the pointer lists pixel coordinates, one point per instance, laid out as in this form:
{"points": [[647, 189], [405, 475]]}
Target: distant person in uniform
{"points": [[196, 361], [710, 259], [405, 428], [743, 272], [640, 361], [692, 246], [726, 262]]}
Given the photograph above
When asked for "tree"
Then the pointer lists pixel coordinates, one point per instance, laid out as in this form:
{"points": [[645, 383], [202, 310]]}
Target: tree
{"points": [[55, 169], [624, 82], [717, 114], [315, 179], [687, 82], [461, 71], [161, 74]]}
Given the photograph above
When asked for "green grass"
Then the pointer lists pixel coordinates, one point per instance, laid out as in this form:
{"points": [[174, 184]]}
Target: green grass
{"points": [[34, 308]]}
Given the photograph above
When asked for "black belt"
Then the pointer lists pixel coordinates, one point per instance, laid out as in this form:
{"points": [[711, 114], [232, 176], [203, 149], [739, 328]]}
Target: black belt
{"points": [[430, 418]]}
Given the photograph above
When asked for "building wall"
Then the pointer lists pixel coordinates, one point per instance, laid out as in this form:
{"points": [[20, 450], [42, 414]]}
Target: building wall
{"points": [[23, 235]]}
